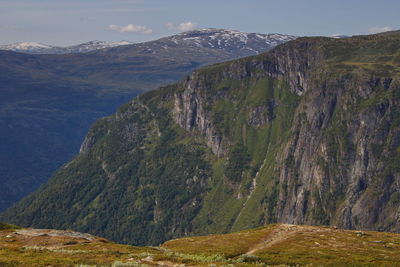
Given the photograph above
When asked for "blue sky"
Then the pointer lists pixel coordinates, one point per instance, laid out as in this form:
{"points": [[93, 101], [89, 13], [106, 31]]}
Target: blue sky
{"points": [[66, 22]]}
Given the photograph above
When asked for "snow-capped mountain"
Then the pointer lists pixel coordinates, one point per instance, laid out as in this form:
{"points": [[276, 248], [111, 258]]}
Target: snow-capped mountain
{"points": [[230, 40], [340, 36], [38, 48], [93, 45], [32, 47]]}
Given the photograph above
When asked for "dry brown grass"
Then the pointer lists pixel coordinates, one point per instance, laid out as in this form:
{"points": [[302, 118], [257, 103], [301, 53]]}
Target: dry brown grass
{"points": [[274, 245]]}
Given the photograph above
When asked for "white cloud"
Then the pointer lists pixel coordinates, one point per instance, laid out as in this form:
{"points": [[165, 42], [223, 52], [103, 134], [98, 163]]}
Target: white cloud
{"points": [[379, 29], [183, 27], [130, 28]]}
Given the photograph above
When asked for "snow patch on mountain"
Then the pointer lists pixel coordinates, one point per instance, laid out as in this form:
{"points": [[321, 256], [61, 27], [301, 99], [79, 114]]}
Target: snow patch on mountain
{"points": [[38, 48], [25, 46], [229, 39]]}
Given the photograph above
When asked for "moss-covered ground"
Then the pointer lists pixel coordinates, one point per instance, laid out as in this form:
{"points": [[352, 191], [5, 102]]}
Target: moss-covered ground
{"points": [[272, 245]]}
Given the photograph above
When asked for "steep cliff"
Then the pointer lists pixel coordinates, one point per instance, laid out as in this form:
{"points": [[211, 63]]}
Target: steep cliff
{"points": [[308, 133]]}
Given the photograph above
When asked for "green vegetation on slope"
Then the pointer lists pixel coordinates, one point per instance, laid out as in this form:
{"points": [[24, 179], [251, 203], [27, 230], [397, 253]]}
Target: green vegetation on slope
{"points": [[5, 226], [128, 182], [252, 157]]}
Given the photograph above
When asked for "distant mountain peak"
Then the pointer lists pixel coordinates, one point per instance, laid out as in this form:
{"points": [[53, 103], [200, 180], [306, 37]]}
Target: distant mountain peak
{"points": [[216, 31], [38, 48], [31, 44], [230, 39], [25, 46]]}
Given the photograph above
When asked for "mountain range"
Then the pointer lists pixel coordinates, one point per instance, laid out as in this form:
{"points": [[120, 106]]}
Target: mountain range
{"points": [[307, 133], [250, 43], [37, 48], [49, 101]]}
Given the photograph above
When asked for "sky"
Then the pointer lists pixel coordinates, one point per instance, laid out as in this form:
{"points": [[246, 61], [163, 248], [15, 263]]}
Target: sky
{"points": [[69, 22]]}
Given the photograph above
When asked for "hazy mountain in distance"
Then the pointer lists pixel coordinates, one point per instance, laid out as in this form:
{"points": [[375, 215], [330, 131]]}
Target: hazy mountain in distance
{"points": [[37, 48]]}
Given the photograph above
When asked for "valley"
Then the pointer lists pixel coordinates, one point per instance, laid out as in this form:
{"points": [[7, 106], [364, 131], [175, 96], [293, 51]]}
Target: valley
{"points": [[307, 133], [49, 101]]}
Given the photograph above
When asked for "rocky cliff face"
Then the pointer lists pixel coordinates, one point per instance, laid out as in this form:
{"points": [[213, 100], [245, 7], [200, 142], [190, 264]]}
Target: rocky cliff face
{"points": [[338, 168], [308, 133], [343, 129], [292, 63]]}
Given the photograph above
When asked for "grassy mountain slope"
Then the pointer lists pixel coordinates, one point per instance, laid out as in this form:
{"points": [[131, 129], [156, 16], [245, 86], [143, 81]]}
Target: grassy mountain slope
{"points": [[273, 245], [49, 101], [307, 133]]}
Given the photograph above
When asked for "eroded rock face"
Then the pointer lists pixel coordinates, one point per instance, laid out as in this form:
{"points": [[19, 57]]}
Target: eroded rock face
{"points": [[339, 171], [192, 104], [258, 116], [190, 113]]}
